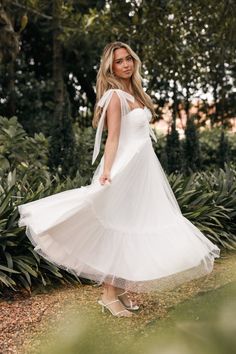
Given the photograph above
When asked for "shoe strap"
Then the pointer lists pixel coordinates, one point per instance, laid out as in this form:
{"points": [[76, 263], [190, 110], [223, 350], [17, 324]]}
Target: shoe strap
{"points": [[131, 304], [120, 311], [111, 302], [125, 292]]}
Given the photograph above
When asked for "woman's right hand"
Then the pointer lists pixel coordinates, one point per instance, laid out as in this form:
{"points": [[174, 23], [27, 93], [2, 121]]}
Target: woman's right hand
{"points": [[105, 178]]}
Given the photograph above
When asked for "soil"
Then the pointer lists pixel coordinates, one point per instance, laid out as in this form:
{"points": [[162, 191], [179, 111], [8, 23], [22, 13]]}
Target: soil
{"points": [[24, 319]]}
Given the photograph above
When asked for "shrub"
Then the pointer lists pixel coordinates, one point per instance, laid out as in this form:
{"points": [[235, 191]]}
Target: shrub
{"points": [[27, 155], [20, 265], [208, 200]]}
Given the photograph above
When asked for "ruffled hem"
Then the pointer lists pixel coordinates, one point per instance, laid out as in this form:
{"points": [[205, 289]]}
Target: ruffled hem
{"points": [[62, 256], [81, 234]]}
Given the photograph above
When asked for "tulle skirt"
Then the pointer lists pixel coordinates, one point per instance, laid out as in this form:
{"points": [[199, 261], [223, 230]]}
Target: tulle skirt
{"points": [[130, 234]]}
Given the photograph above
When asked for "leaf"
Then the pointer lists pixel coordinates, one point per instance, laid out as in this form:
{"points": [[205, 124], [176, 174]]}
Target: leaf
{"points": [[25, 267], [24, 283], [6, 269], [6, 200], [7, 280]]}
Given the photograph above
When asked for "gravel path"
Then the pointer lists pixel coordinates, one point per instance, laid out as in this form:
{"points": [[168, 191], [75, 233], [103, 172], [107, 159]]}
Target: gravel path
{"points": [[24, 319]]}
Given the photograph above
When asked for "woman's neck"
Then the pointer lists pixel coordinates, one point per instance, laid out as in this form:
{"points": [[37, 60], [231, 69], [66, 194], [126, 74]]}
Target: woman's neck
{"points": [[127, 86]]}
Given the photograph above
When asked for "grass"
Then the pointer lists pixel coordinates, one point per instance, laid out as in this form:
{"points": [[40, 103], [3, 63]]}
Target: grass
{"points": [[69, 320]]}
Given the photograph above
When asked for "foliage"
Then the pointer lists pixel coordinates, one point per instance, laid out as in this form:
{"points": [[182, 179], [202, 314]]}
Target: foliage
{"points": [[20, 265], [223, 150], [173, 151], [85, 143], [27, 155], [191, 153], [24, 177], [159, 148], [191, 43], [190, 47], [9, 44], [208, 200], [210, 150], [211, 145], [62, 153]]}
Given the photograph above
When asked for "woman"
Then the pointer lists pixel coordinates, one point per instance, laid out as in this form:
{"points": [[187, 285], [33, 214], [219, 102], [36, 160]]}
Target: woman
{"points": [[125, 230]]}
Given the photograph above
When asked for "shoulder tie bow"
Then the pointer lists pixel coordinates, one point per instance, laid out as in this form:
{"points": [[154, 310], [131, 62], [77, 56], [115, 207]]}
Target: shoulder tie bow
{"points": [[149, 116], [104, 102]]}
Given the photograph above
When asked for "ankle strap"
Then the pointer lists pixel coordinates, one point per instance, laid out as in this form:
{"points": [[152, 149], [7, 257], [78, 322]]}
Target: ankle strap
{"points": [[111, 302], [123, 293], [121, 311]]}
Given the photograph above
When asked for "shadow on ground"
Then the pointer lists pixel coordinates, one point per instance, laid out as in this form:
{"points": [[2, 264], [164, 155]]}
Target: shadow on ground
{"points": [[204, 324]]}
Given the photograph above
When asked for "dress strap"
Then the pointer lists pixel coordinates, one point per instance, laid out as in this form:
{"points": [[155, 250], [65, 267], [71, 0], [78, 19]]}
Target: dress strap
{"points": [[151, 132], [104, 102]]}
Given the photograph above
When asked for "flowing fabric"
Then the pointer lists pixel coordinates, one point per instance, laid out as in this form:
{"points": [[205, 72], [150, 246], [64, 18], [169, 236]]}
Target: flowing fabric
{"points": [[129, 233]]}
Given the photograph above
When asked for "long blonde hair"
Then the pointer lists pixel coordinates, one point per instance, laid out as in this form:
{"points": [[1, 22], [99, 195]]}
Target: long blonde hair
{"points": [[107, 80]]}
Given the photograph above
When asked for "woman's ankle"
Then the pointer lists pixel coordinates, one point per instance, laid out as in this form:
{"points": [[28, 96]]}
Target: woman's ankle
{"points": [[109, 292], [120, 291]]}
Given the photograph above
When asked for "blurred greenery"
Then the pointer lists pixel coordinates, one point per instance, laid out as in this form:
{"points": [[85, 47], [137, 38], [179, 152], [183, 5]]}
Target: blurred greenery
{"points": [[187, 49], [27, 155], [204, 324], [206, 150], [206, 198]]}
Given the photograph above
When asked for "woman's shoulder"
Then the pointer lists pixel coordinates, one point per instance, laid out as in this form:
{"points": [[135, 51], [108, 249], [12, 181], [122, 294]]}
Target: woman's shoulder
{"points": [[107, 95]]}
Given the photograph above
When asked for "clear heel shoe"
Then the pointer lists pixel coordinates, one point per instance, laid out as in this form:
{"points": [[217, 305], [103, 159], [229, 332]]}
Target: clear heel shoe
{"points": [[117, 314], [131, 307]]}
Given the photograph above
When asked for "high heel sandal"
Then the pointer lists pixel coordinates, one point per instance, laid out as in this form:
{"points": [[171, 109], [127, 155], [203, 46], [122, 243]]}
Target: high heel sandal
{"points": [[131, 307], [108, 308]]}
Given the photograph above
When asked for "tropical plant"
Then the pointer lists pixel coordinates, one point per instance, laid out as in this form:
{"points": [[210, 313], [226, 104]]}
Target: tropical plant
{"points": [[208, 200], [173, 151], [20, 265], [27, 155], [191, 151]]}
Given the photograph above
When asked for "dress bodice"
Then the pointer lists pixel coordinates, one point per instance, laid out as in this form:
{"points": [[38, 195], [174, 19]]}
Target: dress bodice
{"points": [[135, 126], [134, 122]]}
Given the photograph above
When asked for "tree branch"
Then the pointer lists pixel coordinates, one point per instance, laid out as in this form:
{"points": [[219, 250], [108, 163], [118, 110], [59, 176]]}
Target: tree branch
{"points": [[31, 10]]}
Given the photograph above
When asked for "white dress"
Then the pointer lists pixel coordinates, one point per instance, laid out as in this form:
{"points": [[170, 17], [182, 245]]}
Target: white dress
{"points": [[129, 233]]}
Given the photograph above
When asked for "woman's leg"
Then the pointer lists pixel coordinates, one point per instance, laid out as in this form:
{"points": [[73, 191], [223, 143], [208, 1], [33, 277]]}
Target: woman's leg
{"points": [[110, 294], [125, 297]]}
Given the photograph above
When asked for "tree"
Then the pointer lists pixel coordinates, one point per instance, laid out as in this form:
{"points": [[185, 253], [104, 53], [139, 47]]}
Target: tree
{"points": [[62, 149], [223, 150], [9, 39], [186, 48], [173, 150], [191, 156]]}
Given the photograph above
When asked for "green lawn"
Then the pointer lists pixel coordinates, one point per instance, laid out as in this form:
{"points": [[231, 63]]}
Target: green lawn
{"points": [[198, 317]]}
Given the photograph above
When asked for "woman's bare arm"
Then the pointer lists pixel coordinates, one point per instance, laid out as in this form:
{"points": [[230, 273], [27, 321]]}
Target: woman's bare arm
{"points": [[113, 117]]}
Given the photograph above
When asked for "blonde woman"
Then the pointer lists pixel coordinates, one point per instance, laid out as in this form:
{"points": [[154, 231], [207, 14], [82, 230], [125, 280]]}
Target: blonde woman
{"points": [[125, 230]]}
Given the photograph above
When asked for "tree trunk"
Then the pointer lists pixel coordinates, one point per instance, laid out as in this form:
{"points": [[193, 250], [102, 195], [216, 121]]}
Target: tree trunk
{"points": [[187, 105], [175, 106], [216, 113], [57, 62], [222, 101], [11, 104]]}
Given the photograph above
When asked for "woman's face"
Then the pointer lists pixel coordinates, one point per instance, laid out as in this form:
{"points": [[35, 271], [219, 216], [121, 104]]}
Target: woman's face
{"points": [[123, 63]]}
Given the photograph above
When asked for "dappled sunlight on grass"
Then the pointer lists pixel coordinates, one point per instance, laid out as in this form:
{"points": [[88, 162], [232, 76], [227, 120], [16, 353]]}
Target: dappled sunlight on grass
{"points": [[197, 317], [205, 324]]}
